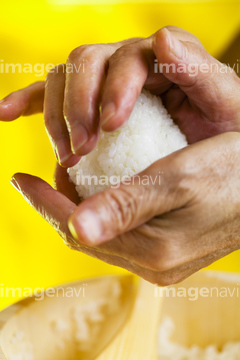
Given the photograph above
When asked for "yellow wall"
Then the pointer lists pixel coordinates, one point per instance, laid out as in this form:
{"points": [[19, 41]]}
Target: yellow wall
{"points": [[31, 254]]}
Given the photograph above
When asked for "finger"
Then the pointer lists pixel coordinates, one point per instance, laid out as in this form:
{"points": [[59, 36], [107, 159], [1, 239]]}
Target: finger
{"points": [[127, 73], [84, 80], [54, 119], [131, 67], [184, 61], [62, 183], [53, 206], [27, 101], [115, 211]]}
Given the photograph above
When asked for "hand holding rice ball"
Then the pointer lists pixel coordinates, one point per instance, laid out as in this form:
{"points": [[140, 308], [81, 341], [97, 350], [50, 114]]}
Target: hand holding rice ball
{"points": [[163, 231], [148, 135]]}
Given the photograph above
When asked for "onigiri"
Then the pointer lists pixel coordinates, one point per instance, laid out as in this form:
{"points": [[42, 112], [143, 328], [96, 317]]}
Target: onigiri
{"points": [[148, 135]]}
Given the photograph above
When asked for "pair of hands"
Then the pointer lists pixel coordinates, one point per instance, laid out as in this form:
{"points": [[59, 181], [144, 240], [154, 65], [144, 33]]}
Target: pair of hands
{"points": [[165, 232]]}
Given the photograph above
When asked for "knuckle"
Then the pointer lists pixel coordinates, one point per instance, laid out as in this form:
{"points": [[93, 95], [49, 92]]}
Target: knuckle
{"points": [[184, 34], [89, 52], [131, 40], [178, 180], [172, 28], [74, 54], [122, 52], [168, 278], [168, 254], [162, 263], [123, 207], [177, 167]]}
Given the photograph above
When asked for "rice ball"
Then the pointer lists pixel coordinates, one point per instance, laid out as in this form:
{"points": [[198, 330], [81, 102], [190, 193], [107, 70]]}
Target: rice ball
{"points": [[148, 135]]}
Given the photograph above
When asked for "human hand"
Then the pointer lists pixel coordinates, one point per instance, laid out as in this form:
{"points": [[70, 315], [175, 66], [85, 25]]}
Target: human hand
{"points": [[203, 105], [164, 231], [61, 91]]}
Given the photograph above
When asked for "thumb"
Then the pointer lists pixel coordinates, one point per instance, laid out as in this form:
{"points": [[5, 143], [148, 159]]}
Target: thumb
{"points": [[115, 211], [182, 59]]}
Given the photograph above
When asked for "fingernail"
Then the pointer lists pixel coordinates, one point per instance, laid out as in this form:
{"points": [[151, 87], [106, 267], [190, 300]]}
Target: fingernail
{"points": [[176, 46], [86, 227], [79, 136], [15, 184], [62, 151], [108, 112]]}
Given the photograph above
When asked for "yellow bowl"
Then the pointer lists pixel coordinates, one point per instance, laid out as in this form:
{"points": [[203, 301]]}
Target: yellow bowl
{"points": [[203, 308], [45, 32]]}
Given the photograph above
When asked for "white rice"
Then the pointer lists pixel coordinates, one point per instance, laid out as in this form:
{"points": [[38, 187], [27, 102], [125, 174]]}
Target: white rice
{"points": [[148, 135], [169, 350], [79, 331], [22, 349]]}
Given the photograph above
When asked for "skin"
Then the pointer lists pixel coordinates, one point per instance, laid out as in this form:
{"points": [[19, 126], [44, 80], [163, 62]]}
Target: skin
{"points": [[195, 219]]}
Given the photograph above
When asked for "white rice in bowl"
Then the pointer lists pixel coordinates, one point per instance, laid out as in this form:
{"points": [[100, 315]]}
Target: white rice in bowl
{"points": [[169, 350]]}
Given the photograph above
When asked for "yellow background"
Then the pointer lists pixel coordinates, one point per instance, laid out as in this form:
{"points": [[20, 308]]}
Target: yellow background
{"points": [[31, 254]]}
